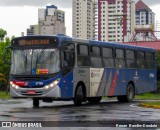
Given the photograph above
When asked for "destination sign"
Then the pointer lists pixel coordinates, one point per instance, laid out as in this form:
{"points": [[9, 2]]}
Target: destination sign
{"points": [[34, 41], [23, 42]]}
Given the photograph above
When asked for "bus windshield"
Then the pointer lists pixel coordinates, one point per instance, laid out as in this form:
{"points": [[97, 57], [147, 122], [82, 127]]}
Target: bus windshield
{"points": [[35, 61]]}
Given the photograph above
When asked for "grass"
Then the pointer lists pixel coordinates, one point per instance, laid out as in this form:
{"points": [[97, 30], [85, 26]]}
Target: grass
{"points": [[153, 103], [148, 96], [3, 95]]}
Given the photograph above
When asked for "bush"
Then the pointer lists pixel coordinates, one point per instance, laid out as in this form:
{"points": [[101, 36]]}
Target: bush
{"points": [[3, 86]]}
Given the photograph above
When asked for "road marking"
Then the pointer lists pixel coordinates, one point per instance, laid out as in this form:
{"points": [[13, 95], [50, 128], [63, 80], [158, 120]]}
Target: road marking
{"points": [[134, 105]]}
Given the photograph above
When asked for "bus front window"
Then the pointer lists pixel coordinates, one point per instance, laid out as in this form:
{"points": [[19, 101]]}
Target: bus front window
{"points": [[35, 61]]}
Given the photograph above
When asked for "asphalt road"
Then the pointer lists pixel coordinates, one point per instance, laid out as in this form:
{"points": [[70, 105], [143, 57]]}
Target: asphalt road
{"points": [[64, 113]]}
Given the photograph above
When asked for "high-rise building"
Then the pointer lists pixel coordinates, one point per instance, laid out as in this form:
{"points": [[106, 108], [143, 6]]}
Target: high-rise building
{"points": [[83, 18], [116, 18], [144, 15], [33, 30], [51, 21]]}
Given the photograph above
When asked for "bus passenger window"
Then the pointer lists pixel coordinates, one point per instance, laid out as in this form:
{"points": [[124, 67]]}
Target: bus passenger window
{"points": [[96, 60], [107, 54], [83, 55], [141, 60], [119, 61], [130, 59], [150, 60]]}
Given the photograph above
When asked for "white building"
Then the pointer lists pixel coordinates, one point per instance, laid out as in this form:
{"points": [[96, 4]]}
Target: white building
{"points": [[33, 30], [51, 21], [83, 19], [116, 19]]}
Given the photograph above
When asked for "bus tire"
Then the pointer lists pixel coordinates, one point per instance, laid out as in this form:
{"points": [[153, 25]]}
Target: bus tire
{"points": [[79, 95], [130, 93], [94, 100], [35, 102]]}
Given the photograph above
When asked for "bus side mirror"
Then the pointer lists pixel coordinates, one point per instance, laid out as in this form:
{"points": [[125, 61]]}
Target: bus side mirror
{"points": [[5, 55]]}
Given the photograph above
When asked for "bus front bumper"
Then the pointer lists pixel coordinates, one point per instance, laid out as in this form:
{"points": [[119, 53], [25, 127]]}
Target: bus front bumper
{"points": [[35, 92]]}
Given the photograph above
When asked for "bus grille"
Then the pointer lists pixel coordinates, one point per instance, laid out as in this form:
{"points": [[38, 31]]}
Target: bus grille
{"points": [[40, 86]]}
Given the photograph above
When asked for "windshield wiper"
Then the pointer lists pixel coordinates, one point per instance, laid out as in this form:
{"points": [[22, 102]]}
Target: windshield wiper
{"points": [[24, 55], [38, 59], [40, 55]]}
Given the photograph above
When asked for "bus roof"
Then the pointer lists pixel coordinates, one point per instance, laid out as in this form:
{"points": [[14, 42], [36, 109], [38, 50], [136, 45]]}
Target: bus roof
{"points": [[94, 42], [113, 44], [121, 45]]}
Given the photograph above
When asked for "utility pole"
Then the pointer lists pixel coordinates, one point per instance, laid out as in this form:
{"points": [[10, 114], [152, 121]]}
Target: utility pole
{"points": [[120, 18]]}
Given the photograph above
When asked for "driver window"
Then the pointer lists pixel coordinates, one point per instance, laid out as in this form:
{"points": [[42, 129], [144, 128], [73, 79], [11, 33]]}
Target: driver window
{"points": [[67, 57]]}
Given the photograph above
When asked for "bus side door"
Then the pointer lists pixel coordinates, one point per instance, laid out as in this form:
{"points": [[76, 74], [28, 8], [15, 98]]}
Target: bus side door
{"points": [[67, 64]]}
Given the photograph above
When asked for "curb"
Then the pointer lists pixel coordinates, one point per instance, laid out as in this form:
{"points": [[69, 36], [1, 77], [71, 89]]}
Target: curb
{"points": [[150, 106]]}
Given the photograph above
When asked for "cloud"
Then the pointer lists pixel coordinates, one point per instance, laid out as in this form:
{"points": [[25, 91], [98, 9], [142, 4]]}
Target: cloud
{"points": [[37, 3], [58, 3]]}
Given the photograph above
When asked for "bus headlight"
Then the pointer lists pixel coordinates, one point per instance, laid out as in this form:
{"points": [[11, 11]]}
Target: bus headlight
{"points": [[14, 85], [54, 83]]}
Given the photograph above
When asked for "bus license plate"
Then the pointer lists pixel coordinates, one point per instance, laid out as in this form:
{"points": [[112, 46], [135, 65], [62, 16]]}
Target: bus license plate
{"points": [[31, 92]]}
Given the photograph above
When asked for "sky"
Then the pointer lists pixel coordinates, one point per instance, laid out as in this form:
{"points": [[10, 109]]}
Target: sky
{"points": [[17, 15]]}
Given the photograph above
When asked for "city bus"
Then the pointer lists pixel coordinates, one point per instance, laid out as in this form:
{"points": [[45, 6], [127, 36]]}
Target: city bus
{"points": [[50, 68]]}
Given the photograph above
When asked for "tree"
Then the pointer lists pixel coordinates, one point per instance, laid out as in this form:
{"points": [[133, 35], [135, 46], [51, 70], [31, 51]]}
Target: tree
{"points": [[2, 34], [4, 68], [158, 64]]}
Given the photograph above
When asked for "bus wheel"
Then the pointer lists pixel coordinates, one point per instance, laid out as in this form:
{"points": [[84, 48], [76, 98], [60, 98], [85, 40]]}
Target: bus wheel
{"points": [[94, 100], [129, 95], [35, 102], [79, 96]]}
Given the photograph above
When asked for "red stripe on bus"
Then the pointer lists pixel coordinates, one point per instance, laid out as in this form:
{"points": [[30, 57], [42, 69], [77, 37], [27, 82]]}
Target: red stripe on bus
{"points": [[113, 85]]}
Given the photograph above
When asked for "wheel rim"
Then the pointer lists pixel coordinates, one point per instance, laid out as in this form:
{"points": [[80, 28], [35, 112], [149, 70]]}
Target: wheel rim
{"points": [[79, 96], [79, 92], [130, 92]]}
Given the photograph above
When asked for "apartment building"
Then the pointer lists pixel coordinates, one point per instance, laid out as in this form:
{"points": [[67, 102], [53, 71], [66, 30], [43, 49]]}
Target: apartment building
{"points": [[33, 30], [116, 19], [51, 21], [144, 15], [84, 18]]}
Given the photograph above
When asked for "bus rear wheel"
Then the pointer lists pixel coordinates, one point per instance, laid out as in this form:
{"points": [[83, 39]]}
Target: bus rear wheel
{"points": [[130, 93], [79, 95], [35, 102], [94, 100]]}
